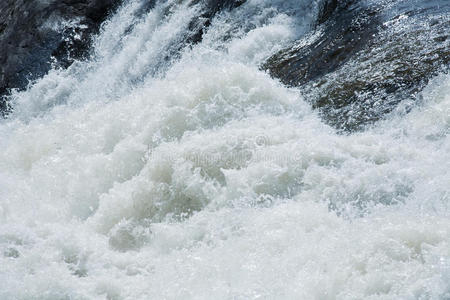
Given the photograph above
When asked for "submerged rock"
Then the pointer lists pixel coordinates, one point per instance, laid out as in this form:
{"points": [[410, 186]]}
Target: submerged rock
{"points": [[366, 57], [35, 34]]}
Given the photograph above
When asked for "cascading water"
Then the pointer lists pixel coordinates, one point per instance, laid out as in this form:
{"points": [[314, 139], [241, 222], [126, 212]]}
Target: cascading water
{"points": [[159, 169]]}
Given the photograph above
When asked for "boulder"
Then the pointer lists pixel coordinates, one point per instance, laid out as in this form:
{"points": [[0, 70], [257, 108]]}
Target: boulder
{"points": [[34, 34], [37, 35], [365, 57]]}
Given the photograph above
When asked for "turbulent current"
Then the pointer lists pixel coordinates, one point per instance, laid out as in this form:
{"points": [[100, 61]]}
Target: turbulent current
{"points": [[159, 169]]}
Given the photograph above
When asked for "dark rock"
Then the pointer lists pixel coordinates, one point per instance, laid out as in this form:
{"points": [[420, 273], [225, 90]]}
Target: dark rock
{"points": [[327, 9], [343, 35], [366, 57], [211, 8], [34, 34]]}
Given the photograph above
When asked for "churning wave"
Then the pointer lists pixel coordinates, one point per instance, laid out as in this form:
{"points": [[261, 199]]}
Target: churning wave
{"points": [[163, 170]]}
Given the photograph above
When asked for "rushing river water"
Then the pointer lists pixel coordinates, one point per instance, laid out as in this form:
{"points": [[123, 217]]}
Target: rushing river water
{"points": [[161, 171]]}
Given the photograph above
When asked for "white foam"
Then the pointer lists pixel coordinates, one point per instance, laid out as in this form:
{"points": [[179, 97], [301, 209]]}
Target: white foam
{"points": [[215, 181]]}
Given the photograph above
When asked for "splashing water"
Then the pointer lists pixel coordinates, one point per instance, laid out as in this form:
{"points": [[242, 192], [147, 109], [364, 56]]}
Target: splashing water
{"points": [[143, 175]]}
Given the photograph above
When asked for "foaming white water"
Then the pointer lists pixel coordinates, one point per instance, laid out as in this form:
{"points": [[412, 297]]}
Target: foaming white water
{"points": [[205, 178]]}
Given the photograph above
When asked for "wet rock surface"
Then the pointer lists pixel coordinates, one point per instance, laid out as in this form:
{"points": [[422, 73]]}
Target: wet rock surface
{"points": [[362, 58], [35, 34], [211, 8], [365, 57]]}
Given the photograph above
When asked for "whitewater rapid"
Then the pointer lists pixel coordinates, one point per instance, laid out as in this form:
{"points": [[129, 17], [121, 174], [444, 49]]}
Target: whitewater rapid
{"points": [[198, 176]]}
